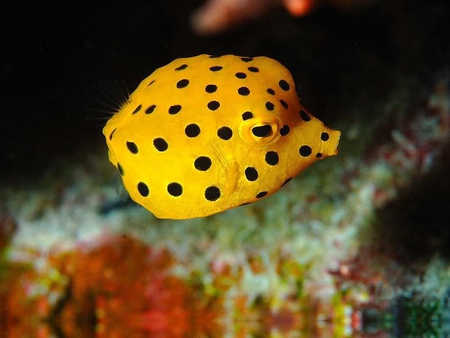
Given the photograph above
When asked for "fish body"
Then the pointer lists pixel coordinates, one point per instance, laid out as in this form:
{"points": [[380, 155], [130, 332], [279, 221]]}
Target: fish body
{"points": [[205, 134]]}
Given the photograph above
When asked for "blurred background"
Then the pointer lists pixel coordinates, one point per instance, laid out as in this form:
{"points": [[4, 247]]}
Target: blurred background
{"points": [[356, 246]]}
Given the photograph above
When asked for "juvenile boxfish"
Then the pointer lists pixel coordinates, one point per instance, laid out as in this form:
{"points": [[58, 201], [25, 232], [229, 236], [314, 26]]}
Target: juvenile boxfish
{"points": [[205, 134]]}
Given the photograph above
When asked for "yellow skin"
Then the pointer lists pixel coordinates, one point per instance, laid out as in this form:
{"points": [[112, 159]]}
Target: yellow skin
{"points": [[205, 134]]}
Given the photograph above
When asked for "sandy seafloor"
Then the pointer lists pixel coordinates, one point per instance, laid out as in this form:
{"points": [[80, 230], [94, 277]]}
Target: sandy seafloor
{"points": [[357, 245]]}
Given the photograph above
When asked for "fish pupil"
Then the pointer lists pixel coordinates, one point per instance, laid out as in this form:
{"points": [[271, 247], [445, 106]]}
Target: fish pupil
{"points": [[262, 131]]}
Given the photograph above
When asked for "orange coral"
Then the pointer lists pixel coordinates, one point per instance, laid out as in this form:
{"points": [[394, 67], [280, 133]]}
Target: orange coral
{"points": [[217, 16], [116, 287]]}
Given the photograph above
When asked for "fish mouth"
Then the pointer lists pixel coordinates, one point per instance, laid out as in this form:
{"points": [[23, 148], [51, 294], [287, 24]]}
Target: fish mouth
{"points": [[331, 146]]}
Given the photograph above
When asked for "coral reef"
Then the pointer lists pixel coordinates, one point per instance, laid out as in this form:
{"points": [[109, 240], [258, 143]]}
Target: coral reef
{"points": [[318, 269], [113, 288]]}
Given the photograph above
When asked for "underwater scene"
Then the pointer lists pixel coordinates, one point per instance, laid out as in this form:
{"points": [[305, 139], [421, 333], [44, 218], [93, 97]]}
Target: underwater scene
{"points": [[225, 168]]}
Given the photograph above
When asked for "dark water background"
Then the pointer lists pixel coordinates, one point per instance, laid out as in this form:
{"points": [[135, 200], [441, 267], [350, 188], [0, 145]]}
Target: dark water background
{"points": [[58, 57]]}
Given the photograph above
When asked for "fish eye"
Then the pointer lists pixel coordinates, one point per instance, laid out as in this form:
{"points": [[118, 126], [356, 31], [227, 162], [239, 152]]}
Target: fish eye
{"points": [[261, 130]]}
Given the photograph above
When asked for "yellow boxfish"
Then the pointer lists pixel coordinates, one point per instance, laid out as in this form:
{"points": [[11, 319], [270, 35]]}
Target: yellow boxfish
{"points": [[208, 133]]}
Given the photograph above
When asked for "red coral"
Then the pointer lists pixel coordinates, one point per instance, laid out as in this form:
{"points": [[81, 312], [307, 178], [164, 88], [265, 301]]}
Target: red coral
{"points": [[116, 287]]}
